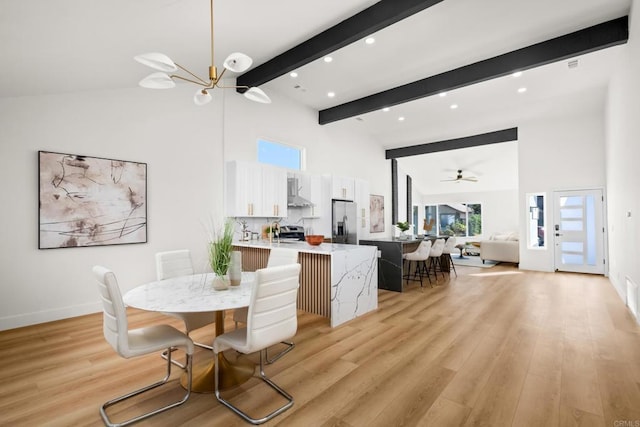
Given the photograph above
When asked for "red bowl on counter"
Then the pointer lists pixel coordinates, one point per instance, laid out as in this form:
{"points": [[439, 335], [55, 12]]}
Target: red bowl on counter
{"points": [[314, 239]]}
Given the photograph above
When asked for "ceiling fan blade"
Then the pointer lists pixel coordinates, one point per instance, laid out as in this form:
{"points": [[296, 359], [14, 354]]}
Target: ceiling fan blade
{"points": [[471, 178]]}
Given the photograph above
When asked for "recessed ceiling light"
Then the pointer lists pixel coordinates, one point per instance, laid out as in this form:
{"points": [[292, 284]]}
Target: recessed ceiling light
{"points": [[401, 119], [517, 74], [522, 90], [385, 109], [369, 40], [328, 59], [443, 94], [331, 94], [453, 106], [293, 74]]}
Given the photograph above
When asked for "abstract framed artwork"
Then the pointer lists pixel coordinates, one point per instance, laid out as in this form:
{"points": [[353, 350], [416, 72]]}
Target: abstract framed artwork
{"points": [[376, 209], [90, 201]]}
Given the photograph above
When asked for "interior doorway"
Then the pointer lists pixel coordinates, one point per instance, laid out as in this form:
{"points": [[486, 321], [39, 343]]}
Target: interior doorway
{"points": [[579, 231]]}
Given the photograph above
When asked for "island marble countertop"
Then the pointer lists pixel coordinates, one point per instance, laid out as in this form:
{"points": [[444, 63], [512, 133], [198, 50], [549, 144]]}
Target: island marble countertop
{"points": [[299, 245]]}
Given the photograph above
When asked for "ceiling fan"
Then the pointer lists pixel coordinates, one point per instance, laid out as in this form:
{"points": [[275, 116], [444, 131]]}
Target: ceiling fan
{"points": [[459, 178]]}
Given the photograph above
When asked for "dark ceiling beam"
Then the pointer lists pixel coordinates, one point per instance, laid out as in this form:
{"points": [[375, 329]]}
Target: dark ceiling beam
{"points": [[601, 36], [504, 135], [356, 27]]}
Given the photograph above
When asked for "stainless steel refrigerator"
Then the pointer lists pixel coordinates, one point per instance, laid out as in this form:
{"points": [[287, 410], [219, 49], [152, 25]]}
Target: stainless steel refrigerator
{"points": [[344, 222]]}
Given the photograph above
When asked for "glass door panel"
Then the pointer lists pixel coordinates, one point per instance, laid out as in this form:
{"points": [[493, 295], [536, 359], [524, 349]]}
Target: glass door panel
{"points": [[579, 240]]}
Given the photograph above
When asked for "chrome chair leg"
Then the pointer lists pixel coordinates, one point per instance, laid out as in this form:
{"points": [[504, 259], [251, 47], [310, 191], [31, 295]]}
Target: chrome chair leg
{"points": [[268, 381], [290, 345], [172, 349], [103, 408], [165, 356]]}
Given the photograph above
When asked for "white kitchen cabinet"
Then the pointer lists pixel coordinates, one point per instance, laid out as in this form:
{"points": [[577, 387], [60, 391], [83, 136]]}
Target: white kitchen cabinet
{"points": [[243, 189], [274, 187], [343, 187], [255, 190]]}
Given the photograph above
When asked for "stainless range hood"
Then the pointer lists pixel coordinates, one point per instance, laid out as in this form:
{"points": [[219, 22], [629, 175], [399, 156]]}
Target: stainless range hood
{"points": [[293, 198]]}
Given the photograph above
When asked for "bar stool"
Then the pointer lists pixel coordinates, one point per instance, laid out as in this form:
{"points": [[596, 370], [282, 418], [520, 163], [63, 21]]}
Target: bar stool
{"points": [[434, 257], [420, 257], [449, 246]]}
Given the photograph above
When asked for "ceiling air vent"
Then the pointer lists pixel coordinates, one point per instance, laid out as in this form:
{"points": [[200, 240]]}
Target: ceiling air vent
{"points": [[573, 64]]}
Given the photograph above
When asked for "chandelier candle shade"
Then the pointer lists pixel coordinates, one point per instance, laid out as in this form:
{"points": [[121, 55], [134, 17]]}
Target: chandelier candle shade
{"points": [[236, 62]]}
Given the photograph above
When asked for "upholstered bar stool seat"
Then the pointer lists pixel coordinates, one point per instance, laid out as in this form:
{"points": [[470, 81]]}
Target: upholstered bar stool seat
{"points": [[418, 257]]}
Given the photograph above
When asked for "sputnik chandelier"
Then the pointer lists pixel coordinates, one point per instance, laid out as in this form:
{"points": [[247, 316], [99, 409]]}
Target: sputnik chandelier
{"points": [[235, 62]]}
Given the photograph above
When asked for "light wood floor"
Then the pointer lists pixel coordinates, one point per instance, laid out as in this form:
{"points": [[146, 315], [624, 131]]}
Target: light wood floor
{"points": [[494, 347]]}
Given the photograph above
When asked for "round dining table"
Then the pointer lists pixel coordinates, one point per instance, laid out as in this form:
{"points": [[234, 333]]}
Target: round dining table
{"points": [[193, 294]]}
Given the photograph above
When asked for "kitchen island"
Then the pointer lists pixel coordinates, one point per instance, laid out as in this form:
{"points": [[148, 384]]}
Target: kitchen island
{"points": [[390, 270], [337, 281]]}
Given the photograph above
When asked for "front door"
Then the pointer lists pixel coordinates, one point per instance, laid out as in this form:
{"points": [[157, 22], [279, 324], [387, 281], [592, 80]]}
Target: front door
{"points": [[579, 231]]}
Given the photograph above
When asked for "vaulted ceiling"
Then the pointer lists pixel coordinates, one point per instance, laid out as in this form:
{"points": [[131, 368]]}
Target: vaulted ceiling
{"points": [[65, 46]]}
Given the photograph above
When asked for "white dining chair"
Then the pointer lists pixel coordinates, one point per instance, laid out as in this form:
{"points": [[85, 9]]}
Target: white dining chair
{"points": [[277, 257], [272, 318], [174, 264], [137, 342], [419, 257]]}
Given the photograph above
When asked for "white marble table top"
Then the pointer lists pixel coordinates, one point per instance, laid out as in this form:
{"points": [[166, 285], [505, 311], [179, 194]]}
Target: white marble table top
{"points": [[190, 294]]}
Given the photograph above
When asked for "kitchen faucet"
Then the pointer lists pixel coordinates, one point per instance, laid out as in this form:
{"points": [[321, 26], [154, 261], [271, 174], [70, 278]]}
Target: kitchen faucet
{"points": [[275, 230]]}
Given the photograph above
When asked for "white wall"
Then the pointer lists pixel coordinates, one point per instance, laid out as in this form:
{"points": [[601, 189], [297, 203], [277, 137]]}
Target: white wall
{"points": [[329, 149], [622, 157], [183, 147], [558, 153]]}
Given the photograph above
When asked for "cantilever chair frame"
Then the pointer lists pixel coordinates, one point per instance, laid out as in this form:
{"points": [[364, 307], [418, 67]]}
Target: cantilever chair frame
{"points": [[115, 317], [272, 311]]}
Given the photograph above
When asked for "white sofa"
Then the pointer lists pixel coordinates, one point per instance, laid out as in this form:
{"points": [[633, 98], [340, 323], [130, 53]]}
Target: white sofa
{"points": [[503, 247]]}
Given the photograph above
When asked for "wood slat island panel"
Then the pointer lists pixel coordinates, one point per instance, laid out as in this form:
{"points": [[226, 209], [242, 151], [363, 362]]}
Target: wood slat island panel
{"points": [[336, 281]]}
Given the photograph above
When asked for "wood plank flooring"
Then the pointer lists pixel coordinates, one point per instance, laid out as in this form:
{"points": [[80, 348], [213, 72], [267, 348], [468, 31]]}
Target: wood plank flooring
{"points": [[493, 347]]}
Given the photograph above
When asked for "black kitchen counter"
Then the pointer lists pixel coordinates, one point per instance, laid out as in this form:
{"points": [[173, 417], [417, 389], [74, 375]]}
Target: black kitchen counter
{"points": [[390, 261]]}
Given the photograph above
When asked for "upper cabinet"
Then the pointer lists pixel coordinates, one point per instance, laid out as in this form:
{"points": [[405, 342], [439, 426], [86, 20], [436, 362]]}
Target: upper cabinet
{"points": [[343, 187], [255, 190], [274, 187]]}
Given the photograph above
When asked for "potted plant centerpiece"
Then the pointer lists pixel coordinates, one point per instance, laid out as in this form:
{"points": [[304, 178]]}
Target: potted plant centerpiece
{"points": [[403, 227], [220, 248]]}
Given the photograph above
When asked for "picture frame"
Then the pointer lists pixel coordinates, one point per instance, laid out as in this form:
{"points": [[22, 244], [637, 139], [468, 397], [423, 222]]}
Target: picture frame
{"points": [[90, 201], [376, 210]]}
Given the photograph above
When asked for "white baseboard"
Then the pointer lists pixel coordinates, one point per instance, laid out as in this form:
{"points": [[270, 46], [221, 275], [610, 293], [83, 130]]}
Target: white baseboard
{"points": [[28, 319], [633, 297]]}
